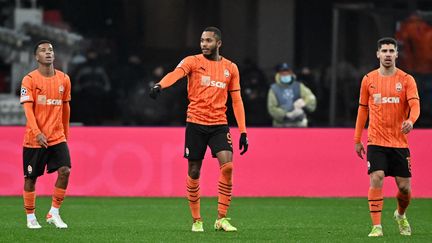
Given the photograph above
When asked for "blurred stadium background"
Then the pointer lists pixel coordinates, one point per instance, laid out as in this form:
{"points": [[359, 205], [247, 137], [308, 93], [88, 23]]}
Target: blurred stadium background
{"points": [[127, 45], [132, 43]]}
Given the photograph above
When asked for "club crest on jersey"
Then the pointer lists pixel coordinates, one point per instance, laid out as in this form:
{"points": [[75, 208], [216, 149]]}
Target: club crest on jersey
{"points": [[29, 169], [398, 87], [61, 89], [226, 73], [187, 151]]}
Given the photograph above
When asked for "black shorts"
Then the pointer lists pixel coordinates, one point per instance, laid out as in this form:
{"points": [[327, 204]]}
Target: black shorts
{"points": [[393, 161], [217, 137], [53, 157]]}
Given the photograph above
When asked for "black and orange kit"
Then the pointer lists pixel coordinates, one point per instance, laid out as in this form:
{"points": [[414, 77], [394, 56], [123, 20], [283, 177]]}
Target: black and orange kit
{"points": [[47, 96], [387, 101]]}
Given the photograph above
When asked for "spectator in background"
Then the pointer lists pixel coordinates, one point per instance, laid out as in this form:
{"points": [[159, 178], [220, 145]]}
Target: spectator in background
{"points": [[415, 36], [254, 86], [92, 89], [127, 85], [138, 107], [288, 99]]}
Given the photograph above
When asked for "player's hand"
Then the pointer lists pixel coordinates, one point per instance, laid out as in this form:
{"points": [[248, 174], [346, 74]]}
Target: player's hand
{"points": [[155, 91], [299, 103], [407, 126], [42, 140], [243, 143], [360, 150]]}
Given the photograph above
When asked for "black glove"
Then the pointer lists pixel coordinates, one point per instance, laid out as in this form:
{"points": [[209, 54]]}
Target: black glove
{"points": [[155, 91], [243, 143]]}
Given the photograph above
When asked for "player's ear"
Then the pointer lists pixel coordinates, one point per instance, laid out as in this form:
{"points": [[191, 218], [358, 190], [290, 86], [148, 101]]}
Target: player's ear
{"points": [[377, 54], [219, 43]]}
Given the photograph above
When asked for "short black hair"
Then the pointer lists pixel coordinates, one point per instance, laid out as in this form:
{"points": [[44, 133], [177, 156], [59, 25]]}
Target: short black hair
{"points": [[216, 31], [386, 41], [40, 43]]}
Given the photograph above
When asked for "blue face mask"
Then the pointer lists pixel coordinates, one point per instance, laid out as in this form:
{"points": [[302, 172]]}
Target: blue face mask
{"points": [[286, 79]]}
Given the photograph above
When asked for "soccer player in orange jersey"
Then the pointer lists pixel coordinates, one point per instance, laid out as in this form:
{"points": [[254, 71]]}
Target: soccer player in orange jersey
{"points": [[210, 78], [45, 95], [389, 98]]}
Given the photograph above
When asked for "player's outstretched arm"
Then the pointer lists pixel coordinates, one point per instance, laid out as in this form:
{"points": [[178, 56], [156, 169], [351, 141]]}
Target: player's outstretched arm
{"points": [[166, 82]]}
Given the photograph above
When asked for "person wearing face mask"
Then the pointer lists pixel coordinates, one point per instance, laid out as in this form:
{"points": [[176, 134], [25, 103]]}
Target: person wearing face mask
{"points": [[288, 99]]}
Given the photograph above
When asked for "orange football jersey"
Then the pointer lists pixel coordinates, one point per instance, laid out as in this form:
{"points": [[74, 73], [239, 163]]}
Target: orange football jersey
{"points": [[47, 95], [208, 85], [387, 100]]}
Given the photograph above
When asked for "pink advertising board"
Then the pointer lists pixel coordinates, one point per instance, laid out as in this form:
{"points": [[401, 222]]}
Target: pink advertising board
{"points": [[147, 161]]}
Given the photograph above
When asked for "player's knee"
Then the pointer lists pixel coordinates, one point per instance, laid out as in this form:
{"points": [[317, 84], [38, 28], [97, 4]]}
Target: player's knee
{"points": [[194, 173], [64, 171], [376, 176], [30, 184], [404, 189], [376, 179]]}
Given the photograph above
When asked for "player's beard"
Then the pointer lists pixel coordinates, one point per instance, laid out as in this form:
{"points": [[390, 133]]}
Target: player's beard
{"points": [[212, 55]]}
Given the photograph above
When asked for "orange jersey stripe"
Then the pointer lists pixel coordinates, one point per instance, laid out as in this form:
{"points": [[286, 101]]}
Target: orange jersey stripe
{"points": [[387, 100], [208, 85], [47, 95]]}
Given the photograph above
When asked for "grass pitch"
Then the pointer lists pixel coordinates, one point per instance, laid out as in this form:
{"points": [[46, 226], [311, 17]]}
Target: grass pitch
{"points": [[168, 220]]}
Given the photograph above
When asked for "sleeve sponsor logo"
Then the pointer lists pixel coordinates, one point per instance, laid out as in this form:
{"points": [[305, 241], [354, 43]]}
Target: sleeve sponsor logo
{"points": [[179, 65], [24, 98], [23, 91]]}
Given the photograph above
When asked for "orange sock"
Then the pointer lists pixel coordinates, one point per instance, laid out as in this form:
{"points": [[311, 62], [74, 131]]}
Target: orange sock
{"points": [[403, 202], [376, 203], [224, 189], [58, 197], [193, 195], [29, 201]]}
